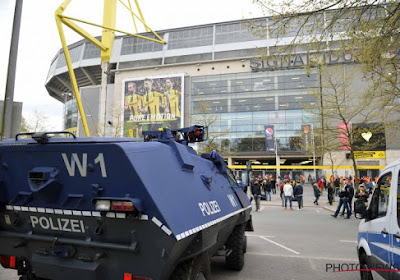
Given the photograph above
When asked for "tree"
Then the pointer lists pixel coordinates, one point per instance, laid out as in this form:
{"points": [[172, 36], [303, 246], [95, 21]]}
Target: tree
{"points": [[368, 30], [216, 139], [36, 122], [348, 113]]}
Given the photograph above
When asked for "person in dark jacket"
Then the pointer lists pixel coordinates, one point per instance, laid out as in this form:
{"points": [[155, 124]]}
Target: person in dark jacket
{"points": [[273, 185], [256, 191], [344, 195], [267, 188], [330, 193], [298, 194], [349, 198], [316, 193], [336, 183]]}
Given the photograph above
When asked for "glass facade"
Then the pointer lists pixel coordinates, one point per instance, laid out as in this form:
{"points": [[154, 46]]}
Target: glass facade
{"points": [[241, 104], [189, 38], [131, 45], [237, 32], [75, 54], [71, 114], [91, 51]]}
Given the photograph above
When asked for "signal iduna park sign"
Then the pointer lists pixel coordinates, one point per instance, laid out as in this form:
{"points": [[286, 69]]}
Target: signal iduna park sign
{"points": [[295, 60]]}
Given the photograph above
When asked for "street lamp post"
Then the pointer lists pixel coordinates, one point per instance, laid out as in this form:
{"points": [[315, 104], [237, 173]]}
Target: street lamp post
{"points": [[278, 171], [313, 144], [6, 125]]}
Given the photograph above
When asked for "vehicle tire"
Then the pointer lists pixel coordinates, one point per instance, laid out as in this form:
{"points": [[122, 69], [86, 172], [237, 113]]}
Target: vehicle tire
{"points": [[365, 275], [244, 244], [235, 260], [197, 268]]}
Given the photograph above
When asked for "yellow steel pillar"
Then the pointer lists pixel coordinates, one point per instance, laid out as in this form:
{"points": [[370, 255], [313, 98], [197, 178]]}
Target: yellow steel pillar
{"points": [[109, 19], [70, 68]]}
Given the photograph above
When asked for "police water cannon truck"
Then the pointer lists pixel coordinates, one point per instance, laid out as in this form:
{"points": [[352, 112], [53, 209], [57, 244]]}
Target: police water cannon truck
{"points": [[118, 208]]}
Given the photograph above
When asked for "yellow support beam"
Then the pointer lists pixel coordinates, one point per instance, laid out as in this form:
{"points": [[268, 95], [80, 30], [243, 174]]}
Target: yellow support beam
{"points": [[109, 20], [161, 41], [133, 18], [142, 20], [141, 16], [72, 76], [83, 33], [107, 39]]}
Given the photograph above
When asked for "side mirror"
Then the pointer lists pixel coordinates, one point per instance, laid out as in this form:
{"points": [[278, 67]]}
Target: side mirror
{"points": [[360, 209]]}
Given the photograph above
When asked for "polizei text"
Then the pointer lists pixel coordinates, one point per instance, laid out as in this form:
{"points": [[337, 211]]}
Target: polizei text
{"points": [[209, 208], [59, 224]]}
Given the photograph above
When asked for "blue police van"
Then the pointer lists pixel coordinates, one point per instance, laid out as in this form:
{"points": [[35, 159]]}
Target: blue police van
{"points": [[379, 231]]}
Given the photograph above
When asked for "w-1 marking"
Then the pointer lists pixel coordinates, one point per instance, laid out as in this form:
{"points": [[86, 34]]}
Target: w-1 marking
{"points": [[82, 165]]}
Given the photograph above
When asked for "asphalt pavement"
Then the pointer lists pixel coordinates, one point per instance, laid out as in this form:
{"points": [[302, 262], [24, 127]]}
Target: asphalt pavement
{"points": [[300, 245]]}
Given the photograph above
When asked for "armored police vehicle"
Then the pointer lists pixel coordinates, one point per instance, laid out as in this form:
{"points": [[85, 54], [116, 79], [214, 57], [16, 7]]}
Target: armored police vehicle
{"points": [[118, 208], [379, 230]]}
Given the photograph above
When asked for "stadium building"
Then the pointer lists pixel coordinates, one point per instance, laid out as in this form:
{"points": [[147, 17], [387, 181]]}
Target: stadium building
{"points": [[209, 74]]}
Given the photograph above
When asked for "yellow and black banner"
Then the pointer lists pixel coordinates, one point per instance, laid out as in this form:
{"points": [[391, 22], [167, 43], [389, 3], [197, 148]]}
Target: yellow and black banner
{"points": [[370, 154], [152, 103]]}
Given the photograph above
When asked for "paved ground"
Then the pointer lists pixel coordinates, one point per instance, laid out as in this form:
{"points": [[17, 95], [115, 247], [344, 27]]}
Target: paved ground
{"points": [[298, 245], [302, 244]]}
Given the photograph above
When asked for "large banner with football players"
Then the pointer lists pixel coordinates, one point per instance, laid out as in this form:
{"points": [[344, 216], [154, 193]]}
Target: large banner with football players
{"points": [[151, 103]]}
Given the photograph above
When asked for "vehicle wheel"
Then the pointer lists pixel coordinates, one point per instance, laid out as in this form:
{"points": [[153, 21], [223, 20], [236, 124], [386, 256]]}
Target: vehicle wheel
{"points": [[244, 244], [365, 275], [235, 260], [197, 268]]}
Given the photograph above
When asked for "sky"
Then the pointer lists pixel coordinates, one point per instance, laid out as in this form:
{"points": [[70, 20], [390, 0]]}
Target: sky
{"points": [[39, 40]]}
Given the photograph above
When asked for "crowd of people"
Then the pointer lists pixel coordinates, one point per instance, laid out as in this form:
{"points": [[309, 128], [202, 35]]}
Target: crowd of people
{"points": [[342, 188], [267, 185]]}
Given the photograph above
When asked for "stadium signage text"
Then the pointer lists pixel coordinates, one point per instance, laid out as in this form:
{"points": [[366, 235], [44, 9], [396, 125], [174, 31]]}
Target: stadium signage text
{"points": [[273, 62]]}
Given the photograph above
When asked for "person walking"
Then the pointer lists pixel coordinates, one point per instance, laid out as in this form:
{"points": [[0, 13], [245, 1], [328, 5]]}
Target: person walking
{"points": [[298, 194], [336, 183], [344, 194], [321, 185], [281, 189], [330, 193], [350, 190], [273, 185], [256, 191], [316, 193], [267, 188], [288, 192]]}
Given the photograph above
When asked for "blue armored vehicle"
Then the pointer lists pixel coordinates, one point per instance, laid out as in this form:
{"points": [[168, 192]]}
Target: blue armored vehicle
{"points": [[118, 208]]}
